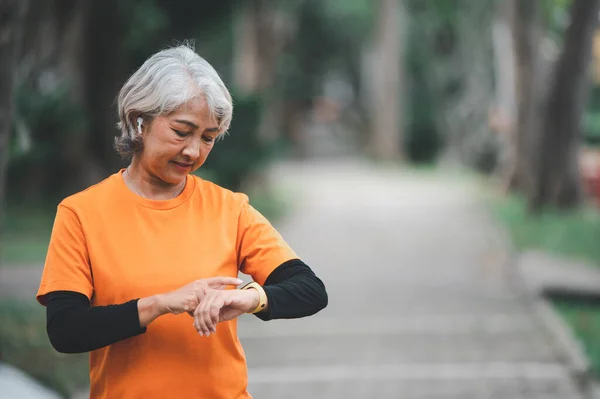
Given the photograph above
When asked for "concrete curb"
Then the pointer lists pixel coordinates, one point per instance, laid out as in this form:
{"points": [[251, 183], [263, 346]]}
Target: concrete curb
{"points": [[569, 348]]}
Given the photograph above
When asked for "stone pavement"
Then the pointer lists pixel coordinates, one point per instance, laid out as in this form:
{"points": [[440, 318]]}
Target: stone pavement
{"points": [[420, 301]]}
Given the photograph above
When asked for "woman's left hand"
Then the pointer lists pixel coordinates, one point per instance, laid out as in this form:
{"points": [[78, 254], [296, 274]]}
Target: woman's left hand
{"points": [[222, 305]]}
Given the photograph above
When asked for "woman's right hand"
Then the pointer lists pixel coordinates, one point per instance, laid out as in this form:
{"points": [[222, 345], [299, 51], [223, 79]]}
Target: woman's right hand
{"points": [[188, 297]]}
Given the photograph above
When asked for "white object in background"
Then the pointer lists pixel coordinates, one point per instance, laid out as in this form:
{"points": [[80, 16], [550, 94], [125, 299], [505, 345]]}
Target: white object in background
{"points": [[18, 385]]}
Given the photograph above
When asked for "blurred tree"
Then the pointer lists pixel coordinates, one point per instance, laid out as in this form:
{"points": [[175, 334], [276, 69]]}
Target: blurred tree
{"points": [[329, 42], [527, 38], [70, 73], [49, 148], [261, 29], [11, 22], [455, 43], [502, 116], [555, 167], [259, 35], [303, 65], [388, 81]]}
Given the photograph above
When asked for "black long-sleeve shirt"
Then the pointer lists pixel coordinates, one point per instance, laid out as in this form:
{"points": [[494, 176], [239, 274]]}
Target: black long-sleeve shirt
{"points": [[74, 326]]}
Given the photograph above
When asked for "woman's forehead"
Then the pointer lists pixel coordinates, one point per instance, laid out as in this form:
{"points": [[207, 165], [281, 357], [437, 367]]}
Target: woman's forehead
{"points": [[195, 111]]}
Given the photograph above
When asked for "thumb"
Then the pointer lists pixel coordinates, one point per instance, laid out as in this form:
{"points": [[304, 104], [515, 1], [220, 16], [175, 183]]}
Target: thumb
{"points": [[221, 282]]}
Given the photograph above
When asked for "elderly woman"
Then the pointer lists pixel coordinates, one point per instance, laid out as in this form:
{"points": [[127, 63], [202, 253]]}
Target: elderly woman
{"points": [[142, 267]]}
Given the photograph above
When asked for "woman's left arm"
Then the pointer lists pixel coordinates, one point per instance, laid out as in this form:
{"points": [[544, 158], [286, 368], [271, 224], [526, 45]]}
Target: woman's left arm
{"points": [[292, 288], [293, 291]]}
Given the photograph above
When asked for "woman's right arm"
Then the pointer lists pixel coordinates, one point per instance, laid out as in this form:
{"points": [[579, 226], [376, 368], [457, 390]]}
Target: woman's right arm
{"points": [[74, 326]]}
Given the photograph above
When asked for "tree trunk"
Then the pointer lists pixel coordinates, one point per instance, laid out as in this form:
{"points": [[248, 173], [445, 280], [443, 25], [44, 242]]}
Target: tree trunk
{"points": [[259, 37], [556, 176], [11, 14], [246, 60], [526, 39], [105, 72], [387, 105], [503, 115]]}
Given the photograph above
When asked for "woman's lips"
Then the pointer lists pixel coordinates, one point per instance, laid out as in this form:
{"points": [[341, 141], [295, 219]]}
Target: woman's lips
{"points": [[182, 166]]}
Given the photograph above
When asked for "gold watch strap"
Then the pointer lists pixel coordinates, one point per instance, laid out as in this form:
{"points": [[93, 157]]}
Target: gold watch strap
{"points": [[262, 296]]}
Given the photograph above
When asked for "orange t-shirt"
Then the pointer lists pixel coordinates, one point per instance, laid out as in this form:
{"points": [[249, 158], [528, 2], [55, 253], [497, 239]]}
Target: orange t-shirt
{"points": [[114, 246]]}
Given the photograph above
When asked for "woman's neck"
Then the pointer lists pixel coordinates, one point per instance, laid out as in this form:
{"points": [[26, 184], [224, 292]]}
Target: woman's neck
{"points": [[148, 185]]}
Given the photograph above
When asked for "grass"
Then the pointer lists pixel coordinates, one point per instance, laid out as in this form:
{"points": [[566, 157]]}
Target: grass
{"points": [[23, 339], [585, 322], [573, 234], [25, 235], [24, 344]]}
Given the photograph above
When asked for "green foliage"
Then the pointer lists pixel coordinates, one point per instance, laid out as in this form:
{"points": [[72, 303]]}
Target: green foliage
{"points": [[24, 344], [591, 127], [354, 17], [584, 319], [53, 124], [25, 235], [305, 60], [50, 116], [241, 152], [555, 14], [591, 119], [572, 234], [423, 141], [148, 23]]}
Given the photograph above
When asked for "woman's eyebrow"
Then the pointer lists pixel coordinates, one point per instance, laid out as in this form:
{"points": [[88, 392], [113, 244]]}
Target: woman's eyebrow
{"points": [[193, 125], [185, 122]]}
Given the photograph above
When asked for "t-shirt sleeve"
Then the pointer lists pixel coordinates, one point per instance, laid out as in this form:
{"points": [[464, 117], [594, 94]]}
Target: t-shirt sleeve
{"points": [[67, 266], [260, 247]]}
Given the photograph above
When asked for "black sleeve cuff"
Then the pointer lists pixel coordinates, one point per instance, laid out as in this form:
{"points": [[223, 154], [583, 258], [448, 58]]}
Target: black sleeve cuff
{"points": [[293, 291]]}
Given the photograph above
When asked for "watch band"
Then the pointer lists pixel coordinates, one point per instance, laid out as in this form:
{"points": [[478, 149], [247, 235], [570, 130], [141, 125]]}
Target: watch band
{"points": [[262, 296]]}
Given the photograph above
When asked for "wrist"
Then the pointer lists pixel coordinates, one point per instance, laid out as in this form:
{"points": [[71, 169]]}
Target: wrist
{"points": [[150, 308], [262, 303], [159, 305], [255, 299]]}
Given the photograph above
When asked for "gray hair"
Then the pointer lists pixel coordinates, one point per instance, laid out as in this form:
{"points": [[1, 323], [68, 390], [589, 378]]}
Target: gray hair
{"points": [[165, 82]]}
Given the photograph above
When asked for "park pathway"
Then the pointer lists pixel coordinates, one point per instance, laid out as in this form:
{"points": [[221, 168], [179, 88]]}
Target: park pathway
{"points": [[420, 305]]}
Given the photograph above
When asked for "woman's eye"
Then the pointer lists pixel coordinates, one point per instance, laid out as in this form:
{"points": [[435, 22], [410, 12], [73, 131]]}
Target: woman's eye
{"points": [[208, 140], [180, 134]]}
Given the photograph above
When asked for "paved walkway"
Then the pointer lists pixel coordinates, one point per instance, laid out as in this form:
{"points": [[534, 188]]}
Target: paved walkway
{"points": [[420, 305]]}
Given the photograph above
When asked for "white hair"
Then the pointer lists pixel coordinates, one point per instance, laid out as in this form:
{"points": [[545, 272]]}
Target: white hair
{"points": [[166, 81]]}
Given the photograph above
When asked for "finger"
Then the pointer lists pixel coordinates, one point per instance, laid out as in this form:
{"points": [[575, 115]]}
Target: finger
{"points": [[198, 322], [215, 310], [195, 323], [198, 319], [203, 315], [221, 282], [211, 315]]}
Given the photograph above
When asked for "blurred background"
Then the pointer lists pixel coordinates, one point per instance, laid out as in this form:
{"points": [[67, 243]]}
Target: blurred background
{"points": [[502, 96]]}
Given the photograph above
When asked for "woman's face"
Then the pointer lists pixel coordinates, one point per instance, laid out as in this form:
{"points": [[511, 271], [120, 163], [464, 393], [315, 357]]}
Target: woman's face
{"points": [[179, 143]]}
